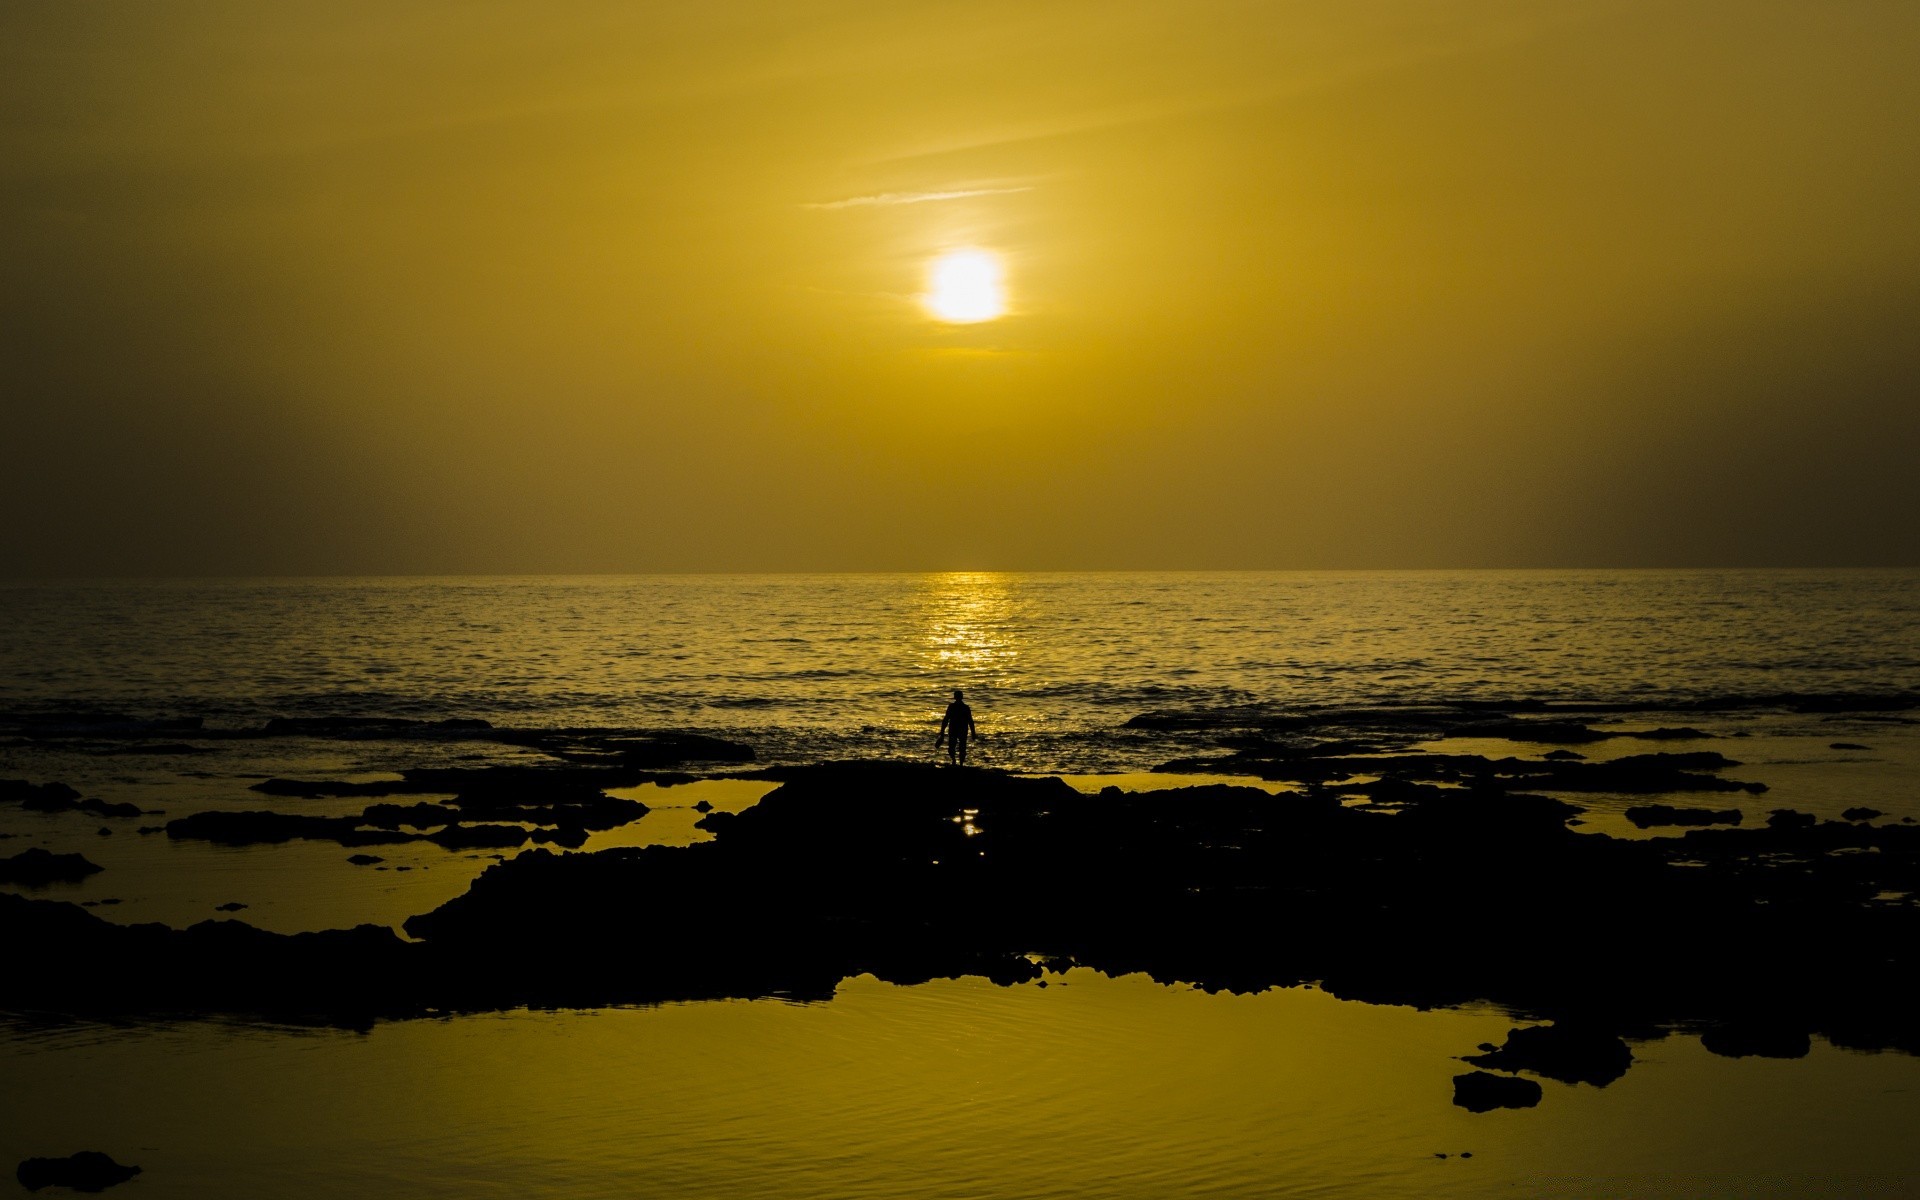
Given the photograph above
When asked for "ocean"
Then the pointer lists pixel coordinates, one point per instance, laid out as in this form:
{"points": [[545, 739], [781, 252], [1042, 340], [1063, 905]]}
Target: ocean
{"points": [[160, 694], [807, 667]]}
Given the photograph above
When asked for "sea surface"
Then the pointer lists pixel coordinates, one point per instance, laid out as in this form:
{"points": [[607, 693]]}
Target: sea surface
{"points": [[1089, 1086], [823, 666]]}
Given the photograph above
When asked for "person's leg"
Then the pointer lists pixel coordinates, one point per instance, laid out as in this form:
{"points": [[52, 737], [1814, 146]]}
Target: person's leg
{"points": [[960, 749]]}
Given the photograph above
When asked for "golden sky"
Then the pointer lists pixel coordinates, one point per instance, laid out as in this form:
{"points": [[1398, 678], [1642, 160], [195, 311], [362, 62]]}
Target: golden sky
{"points": [[594, 286]]}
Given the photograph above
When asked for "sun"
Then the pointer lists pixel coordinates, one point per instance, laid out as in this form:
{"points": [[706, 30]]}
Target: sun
{"points": [[964, 286]]}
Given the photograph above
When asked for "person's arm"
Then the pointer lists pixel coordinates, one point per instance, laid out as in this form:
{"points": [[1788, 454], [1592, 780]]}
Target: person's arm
{"points": [[942, 735]]}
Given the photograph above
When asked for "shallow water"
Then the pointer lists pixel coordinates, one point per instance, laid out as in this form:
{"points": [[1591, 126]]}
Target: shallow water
{"points": [[1089, 1087]]}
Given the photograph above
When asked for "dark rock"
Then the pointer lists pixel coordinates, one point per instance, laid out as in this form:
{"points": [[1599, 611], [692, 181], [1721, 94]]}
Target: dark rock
{"points": [[1424, 895], [350, 727], [1561, 732], [1787, 818], [1564, 756], [325, 789], [87, 1171], [1757, 1040], [364, 860], [1633, 773], [103, 831], [672, 749], [1847, 746], [95, 724], [1566, 1051], [229, 906], [101, 808], [1647, 816], [1684, 733], [43, 797], [1479, 1091], [703, 806], [58, 797], [475, 837], [254, 828], [149, 829], [37, 867], [1861, 813], [419, 816], [170, 748]]}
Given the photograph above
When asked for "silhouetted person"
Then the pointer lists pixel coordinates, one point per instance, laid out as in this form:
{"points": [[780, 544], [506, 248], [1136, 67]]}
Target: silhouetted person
{"points": [[955, 728]]}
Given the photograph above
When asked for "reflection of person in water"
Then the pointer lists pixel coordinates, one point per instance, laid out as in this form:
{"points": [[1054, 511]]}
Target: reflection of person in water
{"points": [[955, 728]]}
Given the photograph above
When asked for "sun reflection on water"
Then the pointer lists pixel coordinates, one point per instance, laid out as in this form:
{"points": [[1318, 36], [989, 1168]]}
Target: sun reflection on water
{"points": [[970, 627]]}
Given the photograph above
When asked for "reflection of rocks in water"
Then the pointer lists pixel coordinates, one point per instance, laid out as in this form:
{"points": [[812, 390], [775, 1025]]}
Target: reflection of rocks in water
{"points": [[87, 1171], [1421, 895], [37, 867]]}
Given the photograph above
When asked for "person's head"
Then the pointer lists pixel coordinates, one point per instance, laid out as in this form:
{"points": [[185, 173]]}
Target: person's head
{"points": [[956, 694]]}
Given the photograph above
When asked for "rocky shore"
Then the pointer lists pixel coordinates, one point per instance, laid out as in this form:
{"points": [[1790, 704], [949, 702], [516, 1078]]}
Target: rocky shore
{"points": [[1433, 881]]}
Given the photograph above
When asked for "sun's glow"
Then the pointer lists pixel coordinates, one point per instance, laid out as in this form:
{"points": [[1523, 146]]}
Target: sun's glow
{"points": [[964, 286]]}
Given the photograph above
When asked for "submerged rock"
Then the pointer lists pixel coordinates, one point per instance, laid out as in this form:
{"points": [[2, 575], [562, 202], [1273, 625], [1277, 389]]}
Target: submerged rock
{"points": [[87, 1171], [37, 867], [1479, 1091], [1861, 813]]}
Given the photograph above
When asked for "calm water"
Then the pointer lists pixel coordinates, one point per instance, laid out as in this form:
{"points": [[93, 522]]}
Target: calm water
{"points": [[828, 665], [1089, 1087]]}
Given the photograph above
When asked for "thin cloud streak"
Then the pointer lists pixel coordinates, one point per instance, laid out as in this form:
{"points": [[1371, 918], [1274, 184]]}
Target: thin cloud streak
{"points": [[884, 199]]}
